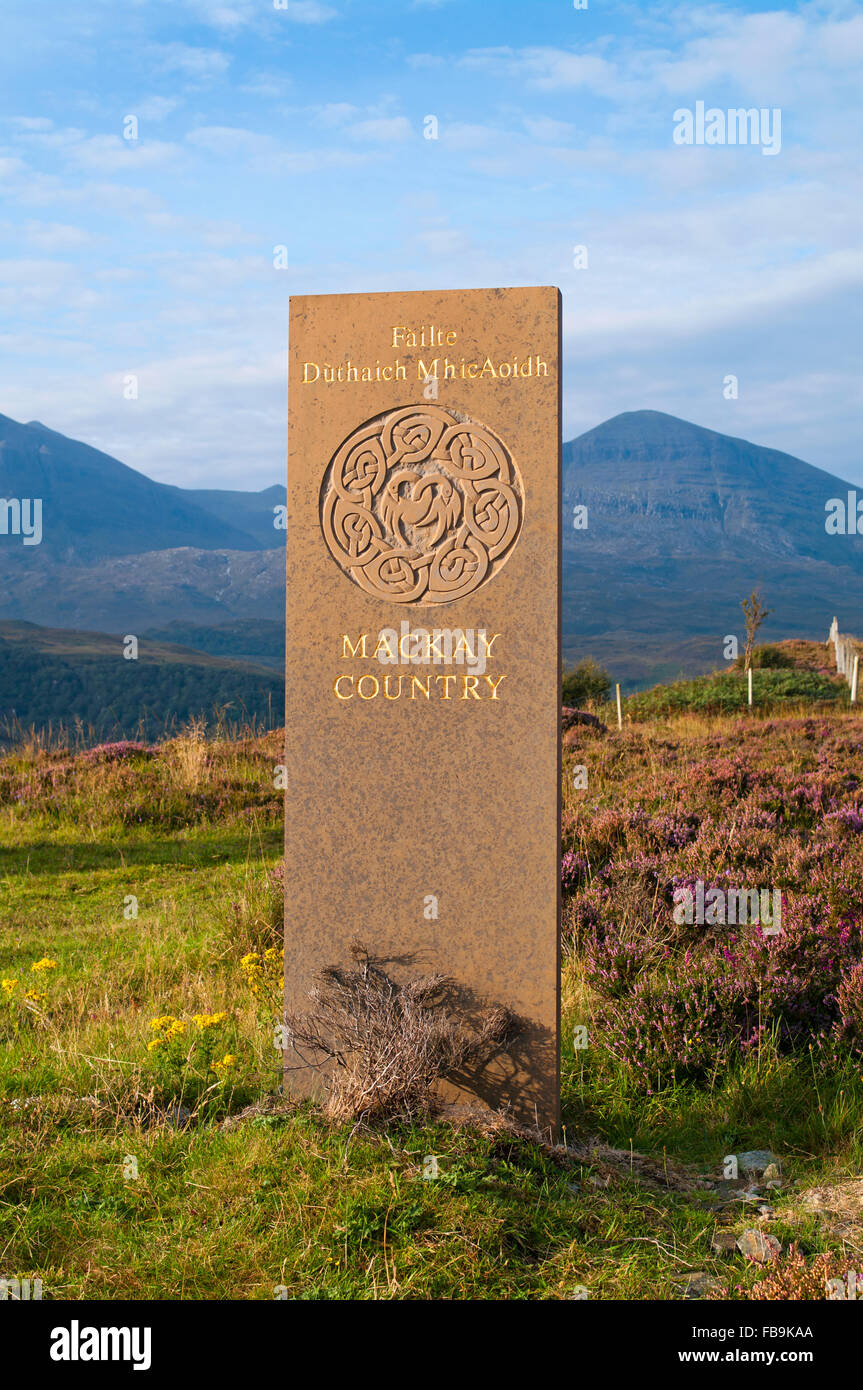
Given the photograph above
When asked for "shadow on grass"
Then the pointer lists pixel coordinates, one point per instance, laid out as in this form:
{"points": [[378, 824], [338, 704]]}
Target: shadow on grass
{"points": [[47, 857], [783, 1106]]}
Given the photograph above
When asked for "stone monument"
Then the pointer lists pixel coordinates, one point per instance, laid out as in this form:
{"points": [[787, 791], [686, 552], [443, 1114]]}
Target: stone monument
{"points": [[423, 658]]}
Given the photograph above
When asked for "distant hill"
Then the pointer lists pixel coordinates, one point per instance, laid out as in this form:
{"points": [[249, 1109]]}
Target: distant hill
{"points": [[129, 593], [253, 640], [659, 487], [683, 523], [94, 506], [56, 677], [253, 512]]}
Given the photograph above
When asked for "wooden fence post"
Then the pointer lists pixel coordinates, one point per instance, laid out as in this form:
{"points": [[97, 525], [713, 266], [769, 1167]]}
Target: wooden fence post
{"points": [[750, 687], [854, 676], [619, 709]]}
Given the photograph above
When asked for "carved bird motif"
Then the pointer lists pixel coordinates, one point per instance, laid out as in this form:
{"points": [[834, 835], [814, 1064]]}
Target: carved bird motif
{"points": [[431, 501]]}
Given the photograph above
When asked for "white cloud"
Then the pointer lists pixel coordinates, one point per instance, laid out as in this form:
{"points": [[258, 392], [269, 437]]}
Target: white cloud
{"points": [[382, 130], [546, 130], [232, 15], [154, 108], [308, 12], [841, 43], [336, 113], [234, 140], [200, 64], [32, 123], [56, 236], [11, 167], [221, 16], [109, 154], [425, 60], [267, 85], [549, 69], [29, 286], [267, 153]]}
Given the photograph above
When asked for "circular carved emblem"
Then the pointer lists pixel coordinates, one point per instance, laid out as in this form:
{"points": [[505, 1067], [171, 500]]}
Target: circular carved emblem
{"points": [[421, 505]]}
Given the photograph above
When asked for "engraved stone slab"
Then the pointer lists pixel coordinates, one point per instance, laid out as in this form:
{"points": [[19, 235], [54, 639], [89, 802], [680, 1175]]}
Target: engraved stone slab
{"points": [[423, 658]]}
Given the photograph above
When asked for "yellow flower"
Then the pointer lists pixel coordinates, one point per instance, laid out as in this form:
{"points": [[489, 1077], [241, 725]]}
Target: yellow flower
{"points": [[227, 1062], [263, 972], [37, 995], [46, 963], [164, 1022], [9, 985], [154, 1042], [205, 1021]]}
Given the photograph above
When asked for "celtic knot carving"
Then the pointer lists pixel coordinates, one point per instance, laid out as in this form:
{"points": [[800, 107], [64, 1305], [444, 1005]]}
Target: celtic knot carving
{"points": [[421, 505]]}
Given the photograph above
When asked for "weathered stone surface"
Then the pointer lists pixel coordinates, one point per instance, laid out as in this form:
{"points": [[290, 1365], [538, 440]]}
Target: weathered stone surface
{"points": [[760, 1248], [756, 1161], [724, 1242], [699, 1283], [423, 774]]}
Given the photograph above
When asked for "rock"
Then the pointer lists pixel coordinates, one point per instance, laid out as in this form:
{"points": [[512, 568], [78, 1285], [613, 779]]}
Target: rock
{"points": [[570, 718], [758, 1247], [766, 1210], [699, 1282], [756, 1161], [269, 1106], [723, 1242], [178, 1116], [771, 1171]]}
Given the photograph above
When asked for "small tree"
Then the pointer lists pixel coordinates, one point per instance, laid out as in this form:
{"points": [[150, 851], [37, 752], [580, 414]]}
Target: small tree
{"points": [[756, 614], [584, 682]]}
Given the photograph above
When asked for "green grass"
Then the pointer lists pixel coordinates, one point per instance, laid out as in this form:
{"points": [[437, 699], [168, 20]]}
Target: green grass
{"points": [[726, 692], [288, 1201]]}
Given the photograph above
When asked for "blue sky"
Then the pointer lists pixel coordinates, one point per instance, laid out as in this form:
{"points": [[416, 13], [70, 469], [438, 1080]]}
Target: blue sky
{"points": [[304, 127]]}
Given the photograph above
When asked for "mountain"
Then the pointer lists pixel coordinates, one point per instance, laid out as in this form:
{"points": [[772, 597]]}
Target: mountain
{"points": [[253, 512], [683, 522], [130, 593], [660, 487], [94, 506]]}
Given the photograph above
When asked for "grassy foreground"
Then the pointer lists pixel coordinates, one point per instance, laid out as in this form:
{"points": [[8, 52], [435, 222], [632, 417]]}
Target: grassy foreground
{"points": [[140, 883]]}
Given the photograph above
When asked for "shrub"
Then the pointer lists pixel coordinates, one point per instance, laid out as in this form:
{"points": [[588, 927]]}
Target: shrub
{"points": [[792, 1279], [768, 658], [726, 692], [389, 1044], [588, 681]]}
